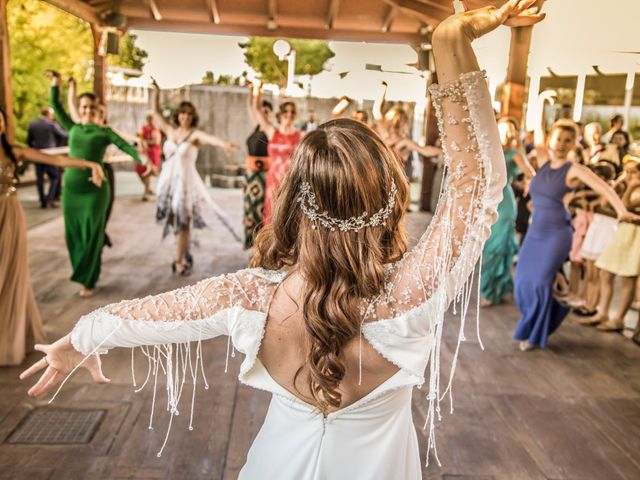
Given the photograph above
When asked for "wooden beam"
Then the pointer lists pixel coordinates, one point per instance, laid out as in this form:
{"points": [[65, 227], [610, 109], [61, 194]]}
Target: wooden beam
{"points": [[417, 10], [6, 93], [78, 9], [436, 5], [390, 16], [155, 11], [334, 5], [214, 12], [272, 24], [99, 65], [412, 38]]}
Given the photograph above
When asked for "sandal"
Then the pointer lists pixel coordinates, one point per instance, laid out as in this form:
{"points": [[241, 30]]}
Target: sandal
{"points": [[609, 326], [584, 312]]}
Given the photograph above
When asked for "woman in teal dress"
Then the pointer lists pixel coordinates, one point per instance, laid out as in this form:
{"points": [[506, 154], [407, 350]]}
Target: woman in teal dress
{"points": [[84, 206], [497, 257]]}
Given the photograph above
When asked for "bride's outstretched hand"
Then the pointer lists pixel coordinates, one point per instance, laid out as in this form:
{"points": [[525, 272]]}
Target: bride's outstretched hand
{"points": [[60, 358], [514, 13]]}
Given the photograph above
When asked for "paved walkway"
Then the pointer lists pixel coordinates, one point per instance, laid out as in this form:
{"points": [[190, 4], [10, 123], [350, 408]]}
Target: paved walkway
{"points": [[571, 412]]}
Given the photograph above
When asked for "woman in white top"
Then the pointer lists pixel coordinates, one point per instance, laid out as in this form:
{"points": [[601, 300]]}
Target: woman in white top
{"points": [[181, 193], [339, 323]]}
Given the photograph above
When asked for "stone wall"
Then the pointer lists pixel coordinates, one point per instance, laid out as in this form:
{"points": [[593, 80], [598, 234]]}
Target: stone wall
{"points": [[223, 112]]}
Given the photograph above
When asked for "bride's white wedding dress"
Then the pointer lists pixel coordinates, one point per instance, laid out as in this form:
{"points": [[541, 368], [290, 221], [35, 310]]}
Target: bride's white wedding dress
{"points": [[374, 438]]}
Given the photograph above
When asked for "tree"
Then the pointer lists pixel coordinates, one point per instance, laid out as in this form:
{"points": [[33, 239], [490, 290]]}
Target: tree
{"points": [[43, 37], [311, 56], [129, 54], [208, 78]]}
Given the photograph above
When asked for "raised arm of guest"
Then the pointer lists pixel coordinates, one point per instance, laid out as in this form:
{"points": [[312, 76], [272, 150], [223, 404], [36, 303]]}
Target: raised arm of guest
{"points": [[72, 100], [256, 103], [378, 104], [340, 107], [157, 109]]}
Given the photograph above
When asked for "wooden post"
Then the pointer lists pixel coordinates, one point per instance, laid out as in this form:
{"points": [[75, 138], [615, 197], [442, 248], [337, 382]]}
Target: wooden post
{"points": [[99, 65], [429, 168], [6, 100]]}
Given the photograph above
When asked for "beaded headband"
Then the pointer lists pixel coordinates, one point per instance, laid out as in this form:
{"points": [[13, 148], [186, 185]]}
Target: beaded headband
{"points": [[310, 208]]}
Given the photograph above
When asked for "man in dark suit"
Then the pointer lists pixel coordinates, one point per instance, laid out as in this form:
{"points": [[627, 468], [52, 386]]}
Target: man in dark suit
{"points": [[46, 133]]}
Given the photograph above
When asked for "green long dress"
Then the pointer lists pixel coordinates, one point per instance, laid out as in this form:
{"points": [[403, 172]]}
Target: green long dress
{"points": [[502, 246], [84, 205]]}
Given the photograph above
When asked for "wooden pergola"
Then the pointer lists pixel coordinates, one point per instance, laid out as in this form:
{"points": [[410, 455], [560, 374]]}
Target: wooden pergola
{"points": [[400, 21]]}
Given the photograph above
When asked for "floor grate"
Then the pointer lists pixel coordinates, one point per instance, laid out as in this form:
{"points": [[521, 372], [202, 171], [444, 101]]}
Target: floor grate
{"points": [[57, 427]]}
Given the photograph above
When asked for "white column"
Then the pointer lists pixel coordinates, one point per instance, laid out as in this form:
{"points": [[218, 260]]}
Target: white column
{"points": [[628, 97], [577, 106], [291, 71], [532, 103]]}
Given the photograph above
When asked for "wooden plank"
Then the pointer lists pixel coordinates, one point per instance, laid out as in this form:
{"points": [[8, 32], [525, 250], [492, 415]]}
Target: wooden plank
{"points": [[332, 13], [6, 95], [389, 17], [418, 10], [412, 38], [154, 10], [214, 12]]}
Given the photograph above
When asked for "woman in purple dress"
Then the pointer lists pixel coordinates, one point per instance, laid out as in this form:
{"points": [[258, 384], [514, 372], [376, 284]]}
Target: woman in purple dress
{"points": [[548, 239]]}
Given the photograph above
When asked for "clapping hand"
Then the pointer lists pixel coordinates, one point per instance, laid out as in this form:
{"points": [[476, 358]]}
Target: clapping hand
{"points": [[59, 360]]}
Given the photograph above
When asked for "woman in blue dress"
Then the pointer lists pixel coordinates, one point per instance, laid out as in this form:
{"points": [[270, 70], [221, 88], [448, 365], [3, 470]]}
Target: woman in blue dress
{"points": [[548, 240], [497, 256]]}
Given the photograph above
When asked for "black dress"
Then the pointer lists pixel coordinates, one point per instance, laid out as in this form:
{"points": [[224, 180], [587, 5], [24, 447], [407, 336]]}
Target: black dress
{"points": [[254, 190]]}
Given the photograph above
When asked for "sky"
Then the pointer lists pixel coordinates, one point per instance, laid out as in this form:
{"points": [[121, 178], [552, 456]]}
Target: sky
{"points": [[575, 35]]}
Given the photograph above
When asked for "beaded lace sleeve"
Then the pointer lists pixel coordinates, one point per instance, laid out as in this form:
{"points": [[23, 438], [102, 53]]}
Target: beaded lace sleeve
{"points": [[192, 313], [438, 271]]}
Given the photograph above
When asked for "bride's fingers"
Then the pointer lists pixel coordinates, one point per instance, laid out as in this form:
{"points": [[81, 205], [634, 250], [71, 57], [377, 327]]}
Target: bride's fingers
{"points": [[97, 375], [37, 389], [36, 367]]}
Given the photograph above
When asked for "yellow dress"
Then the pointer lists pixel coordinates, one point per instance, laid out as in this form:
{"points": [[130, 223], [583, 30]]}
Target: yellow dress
{"points": [[622, 255], [20, 322]]}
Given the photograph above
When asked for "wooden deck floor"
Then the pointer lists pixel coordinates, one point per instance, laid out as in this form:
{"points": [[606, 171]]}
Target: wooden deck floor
{"points": [[571, 412]]}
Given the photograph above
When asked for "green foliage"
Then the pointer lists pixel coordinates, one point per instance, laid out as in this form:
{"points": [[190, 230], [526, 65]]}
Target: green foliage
{"points": [[130, 55], [310, 58], [208, 78], [43, 37]]}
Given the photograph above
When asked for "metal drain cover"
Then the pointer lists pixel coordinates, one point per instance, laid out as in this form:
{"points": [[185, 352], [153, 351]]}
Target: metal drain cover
{"points": [[57, 427]]}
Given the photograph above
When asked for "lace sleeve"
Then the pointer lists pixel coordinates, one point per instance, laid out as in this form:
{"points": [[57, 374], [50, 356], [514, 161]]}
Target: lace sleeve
{"points": [[438, 271], [438, 268], [169, 329], [192, 313]]}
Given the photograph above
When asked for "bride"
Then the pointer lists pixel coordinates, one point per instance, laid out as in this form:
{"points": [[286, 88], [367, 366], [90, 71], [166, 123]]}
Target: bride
{"points": [[337, 320]]}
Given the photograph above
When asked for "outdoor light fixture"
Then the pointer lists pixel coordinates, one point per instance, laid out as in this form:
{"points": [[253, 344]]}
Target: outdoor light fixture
{"points": [[281, 48]]}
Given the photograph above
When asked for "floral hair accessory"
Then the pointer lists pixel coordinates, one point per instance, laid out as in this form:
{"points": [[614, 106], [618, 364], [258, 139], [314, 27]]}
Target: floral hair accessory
{"points": [[310, 208]]}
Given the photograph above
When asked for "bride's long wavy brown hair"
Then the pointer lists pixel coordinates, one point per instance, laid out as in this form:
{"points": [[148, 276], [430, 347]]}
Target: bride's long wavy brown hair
{"points": [[351, 171]]}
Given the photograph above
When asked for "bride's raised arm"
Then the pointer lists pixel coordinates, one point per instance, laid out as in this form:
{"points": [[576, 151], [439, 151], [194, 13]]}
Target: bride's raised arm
{"points": [[440, 265]]}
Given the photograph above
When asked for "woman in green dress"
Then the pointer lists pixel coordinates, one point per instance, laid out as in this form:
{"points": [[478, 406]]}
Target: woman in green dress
{"points": [[496, 281], [84, 207]]}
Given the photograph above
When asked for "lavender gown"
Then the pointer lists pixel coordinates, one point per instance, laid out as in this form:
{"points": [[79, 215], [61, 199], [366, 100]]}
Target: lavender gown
{"points": [[543, 252]]}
